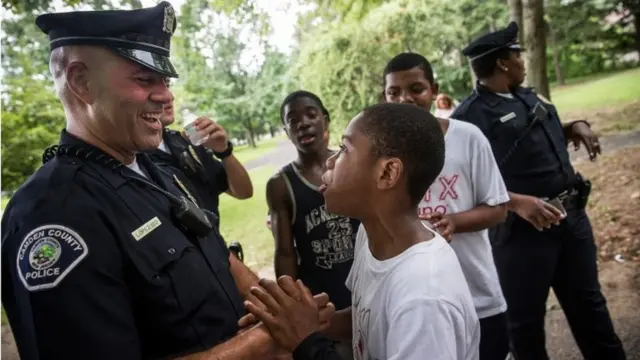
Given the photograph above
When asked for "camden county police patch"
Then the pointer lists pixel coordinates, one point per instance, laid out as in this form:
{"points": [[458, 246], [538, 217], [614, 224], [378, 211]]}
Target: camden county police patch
{"points": [[47, 254]]}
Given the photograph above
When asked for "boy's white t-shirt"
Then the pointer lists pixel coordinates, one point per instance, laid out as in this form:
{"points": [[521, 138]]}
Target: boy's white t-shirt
{"points": [[416, 305], [470, 177]]}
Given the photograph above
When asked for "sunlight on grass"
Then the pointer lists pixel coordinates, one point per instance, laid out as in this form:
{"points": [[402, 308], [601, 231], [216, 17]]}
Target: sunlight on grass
{"points": [[244, 221], [607, 91]]}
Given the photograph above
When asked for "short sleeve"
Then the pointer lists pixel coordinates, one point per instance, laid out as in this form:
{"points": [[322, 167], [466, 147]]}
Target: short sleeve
{"points": [[488, 185], [63, 284], [425, 326], [361, 240]]}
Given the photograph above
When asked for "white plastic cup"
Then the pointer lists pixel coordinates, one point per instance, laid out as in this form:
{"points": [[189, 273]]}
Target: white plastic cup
{"points": [[194, 136]]}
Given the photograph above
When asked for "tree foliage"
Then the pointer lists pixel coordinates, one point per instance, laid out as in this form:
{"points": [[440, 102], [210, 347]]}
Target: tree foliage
{"points": [[222, 77], [230, 71], [343, 61]]}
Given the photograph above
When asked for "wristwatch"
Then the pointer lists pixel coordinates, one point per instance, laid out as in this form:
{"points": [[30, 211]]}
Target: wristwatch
{"points": [[224, 154]]}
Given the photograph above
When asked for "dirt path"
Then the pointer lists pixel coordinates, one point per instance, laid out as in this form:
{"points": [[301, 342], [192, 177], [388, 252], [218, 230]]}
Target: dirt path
{"points": [[621, 286], [283, 154]]}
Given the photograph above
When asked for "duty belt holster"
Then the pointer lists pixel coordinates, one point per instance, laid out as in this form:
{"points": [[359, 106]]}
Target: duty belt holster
{"points": [[583, 189]]}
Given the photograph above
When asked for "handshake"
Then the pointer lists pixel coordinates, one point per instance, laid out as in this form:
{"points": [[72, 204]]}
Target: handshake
{"points": [[288, 310]]}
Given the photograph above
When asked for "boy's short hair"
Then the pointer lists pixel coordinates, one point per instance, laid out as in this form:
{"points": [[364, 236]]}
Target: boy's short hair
{"points": [[411, 134], [406, 61], [303, 93], [485, 66]]}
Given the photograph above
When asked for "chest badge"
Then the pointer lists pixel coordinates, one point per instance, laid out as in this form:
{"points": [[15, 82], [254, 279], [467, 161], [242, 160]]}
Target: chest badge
{"points": [[184, 189], [194, 155]]}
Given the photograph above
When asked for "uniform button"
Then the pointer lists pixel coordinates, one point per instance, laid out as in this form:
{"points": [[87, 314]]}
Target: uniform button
{"points": [[172, 251]]}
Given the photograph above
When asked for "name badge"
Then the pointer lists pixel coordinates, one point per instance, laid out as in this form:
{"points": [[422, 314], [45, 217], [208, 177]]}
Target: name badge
{"points": [[146, 228], [508, 117]]}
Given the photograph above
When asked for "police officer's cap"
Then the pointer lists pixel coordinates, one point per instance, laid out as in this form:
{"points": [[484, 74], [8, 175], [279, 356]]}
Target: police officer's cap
{"points": [[506, 38], [142, 35]]}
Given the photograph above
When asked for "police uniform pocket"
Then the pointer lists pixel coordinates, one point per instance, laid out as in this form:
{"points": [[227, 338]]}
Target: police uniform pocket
{"points": [[177, 268], [505, 130], [192, 280]]}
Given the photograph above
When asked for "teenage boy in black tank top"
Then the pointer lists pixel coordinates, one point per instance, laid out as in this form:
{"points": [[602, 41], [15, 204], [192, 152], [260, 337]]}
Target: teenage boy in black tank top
{"points": [[311, 244]]}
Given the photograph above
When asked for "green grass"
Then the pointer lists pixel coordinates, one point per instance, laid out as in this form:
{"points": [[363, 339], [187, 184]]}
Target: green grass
{"points": [[245, 153], [245, 221], [597, 91], [3, 202]]}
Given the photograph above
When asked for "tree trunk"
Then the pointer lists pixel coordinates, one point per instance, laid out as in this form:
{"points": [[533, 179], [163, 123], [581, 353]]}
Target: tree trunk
{"points": [[634, 8], [636, 23], [536, 44], [555, 52], [474, 79], [515, 14], [251, 136]]}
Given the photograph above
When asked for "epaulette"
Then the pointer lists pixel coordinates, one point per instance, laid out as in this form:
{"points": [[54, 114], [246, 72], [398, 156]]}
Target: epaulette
{"points": [[172, 132], [464, 106], [532, 91], [58, 174]]}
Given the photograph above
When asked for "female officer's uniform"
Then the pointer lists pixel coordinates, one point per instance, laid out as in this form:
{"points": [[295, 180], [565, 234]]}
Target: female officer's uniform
{"points": [[530, 146]]}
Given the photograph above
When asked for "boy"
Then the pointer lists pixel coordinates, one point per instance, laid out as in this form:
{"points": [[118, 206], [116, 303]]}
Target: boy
{"points": [[312, 244], [468, 197], [410, 298]]}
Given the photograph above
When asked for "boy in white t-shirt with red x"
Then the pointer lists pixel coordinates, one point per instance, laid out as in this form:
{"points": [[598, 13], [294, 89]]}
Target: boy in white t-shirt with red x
{"points": [[468, 197]]}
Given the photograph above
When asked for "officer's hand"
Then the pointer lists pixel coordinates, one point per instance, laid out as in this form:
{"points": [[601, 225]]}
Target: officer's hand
{"points": [[217, 140], [442, 223], [326, 313], [539, 213], [580, 132], [292, 313]]}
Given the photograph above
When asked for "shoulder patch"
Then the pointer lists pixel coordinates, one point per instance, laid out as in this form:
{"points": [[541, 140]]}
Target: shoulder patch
{"points": [[544, 99], [47, 254]]}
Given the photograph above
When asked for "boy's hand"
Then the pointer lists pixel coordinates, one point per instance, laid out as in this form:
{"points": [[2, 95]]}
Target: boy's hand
{"points": [[442, 223], [327, 310], [292, 313]]}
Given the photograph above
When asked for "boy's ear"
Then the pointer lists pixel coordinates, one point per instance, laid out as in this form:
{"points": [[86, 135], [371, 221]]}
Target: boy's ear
{"points": [[382, 98], [435, 90], [389, 172]]}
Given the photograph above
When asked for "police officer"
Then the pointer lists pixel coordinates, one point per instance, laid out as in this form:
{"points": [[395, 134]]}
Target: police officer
{"points": [[103, 254], [539, 245], [209, 169]]}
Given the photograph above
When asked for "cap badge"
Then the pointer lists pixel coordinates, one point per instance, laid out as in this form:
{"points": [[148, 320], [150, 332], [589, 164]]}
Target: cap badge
{"points": [[169, 20]]}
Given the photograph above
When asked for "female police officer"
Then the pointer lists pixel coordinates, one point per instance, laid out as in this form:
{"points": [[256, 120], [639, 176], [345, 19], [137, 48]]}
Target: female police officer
{"points": [[104, 256], [539, 245]]}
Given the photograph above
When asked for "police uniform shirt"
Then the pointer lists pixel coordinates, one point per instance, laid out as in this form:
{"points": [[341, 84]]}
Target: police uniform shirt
{"points": [[196, 165], [94, 266], [532, 155], [532, 161]]}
